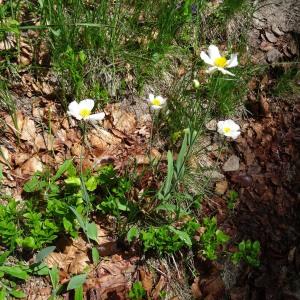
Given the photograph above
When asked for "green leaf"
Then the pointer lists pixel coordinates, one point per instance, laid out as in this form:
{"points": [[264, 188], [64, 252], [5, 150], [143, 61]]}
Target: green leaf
{"points": [[170, 173], [182, 235], [34, 184], [242, 246], [181, 156], [91, 184], [41, 255], [16, 272], [92, 232], [17, 294], [79, 293], [4, 256], [28, 242], [40, 269], [1, 173], [256, 246], [76, 282], [132, 233], [95, 255], [73, 180], [221, 236], [62, 169], [167, 207], [79, 218], [3, 294], [54, 276]]}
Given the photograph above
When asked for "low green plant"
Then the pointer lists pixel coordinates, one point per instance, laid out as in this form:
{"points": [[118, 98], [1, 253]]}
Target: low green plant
{"points": [[212, 238], [10, 276], [168, 239], [137, 291], [231, 199], [248, 252]]}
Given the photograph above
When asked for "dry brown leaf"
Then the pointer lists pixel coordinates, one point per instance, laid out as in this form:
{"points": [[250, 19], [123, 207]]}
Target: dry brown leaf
{"points": [[20, 158], [79, 263], [32, 165], [196, 292], [97, 142], [221, 187], [5, 156], [123, 121], [108, 137], [59, 260], [160, 285], [28, 131], [147, 281]]}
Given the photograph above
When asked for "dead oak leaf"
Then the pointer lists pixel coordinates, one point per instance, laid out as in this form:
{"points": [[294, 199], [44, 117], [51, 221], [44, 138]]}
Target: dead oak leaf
{"points": [[28, 132]]}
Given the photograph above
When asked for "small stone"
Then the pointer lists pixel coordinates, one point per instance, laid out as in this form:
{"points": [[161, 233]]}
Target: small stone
{"points": [[221, 187], [214, 175], [212, 125], [271, 37], [273, 55], [232, 164], [276, 30], [266, 46]]}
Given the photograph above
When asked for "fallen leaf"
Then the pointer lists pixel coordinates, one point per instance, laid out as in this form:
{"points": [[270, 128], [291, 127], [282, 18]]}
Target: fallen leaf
{"points": [[32, 165], [28, 130], [147, 280]]}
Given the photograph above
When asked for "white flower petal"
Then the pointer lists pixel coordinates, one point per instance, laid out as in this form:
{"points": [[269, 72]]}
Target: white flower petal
{"points": [[73, 107], [213, 52], [156, 107], [161, 99], [225, 72], [96, 117], [235, 134], [220, 126], [231, 124], [151, 97], [206, 58], [87, 103], [233, 61], [211, 70]]}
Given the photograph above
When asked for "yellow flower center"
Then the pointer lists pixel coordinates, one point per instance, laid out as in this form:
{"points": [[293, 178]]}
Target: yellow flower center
{"points": [[156, 102], [226, 129], [221, 62], [84, 112]]}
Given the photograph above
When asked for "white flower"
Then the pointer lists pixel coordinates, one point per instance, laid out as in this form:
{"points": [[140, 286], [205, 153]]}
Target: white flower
{"points": [[229, 128], [156, 102], [83, 109], [196, 83], [218, 62]]}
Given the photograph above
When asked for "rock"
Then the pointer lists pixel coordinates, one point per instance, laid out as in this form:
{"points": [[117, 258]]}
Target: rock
{"points": [[221, 187], [232, 164], [212, 125], [273, 55], [276, 30], [271, 37]]}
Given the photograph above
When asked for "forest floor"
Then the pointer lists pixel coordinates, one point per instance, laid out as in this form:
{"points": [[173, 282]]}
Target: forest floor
{"points": [[250, 185]]}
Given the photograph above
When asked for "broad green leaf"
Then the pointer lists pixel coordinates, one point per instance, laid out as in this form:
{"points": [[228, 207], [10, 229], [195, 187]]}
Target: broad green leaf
{"points": [[132, 233], [91, 231], [62, 169], [73, 180], [95, 255], [15, 271], [181, 156], [76, 282], [256, 246], [40, 269], [91, 184], [41, 255], [168, 183], [28, 242], [17, 294], [79, 293], [242, 246], [182, 235]]}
